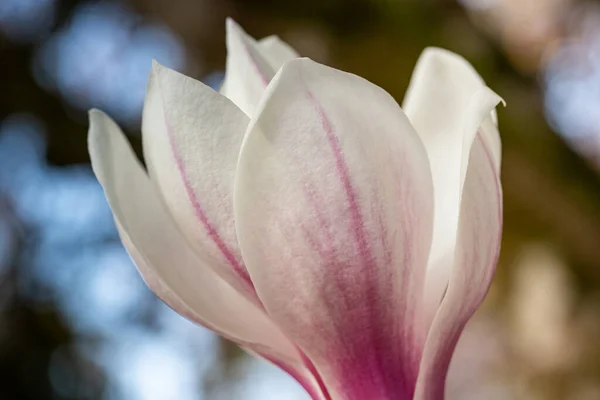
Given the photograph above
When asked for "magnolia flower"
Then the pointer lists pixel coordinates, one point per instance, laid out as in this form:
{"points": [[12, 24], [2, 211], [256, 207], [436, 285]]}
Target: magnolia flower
{"points": [[301, 213]]}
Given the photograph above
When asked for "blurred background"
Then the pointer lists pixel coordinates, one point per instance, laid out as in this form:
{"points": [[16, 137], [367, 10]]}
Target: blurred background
{"points": [[77, 322]]}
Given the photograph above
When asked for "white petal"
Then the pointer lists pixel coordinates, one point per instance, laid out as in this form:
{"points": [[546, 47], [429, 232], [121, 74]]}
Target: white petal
{"points": [[447, 103], [276, 51], [162, 254], [333, 204], [477, 250], [192, 136], [248, 70]]}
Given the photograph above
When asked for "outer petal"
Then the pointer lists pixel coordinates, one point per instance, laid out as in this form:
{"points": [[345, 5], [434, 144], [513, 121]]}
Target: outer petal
{"points": [[333, 204], [477, 252], [171, 268], [165, 260], [249, 69], [447, 103], [192, 136]]}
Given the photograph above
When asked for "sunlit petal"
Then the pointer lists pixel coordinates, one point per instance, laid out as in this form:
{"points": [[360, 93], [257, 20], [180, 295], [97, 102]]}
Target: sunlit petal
{"points": [[477, 250], [448, 103]]}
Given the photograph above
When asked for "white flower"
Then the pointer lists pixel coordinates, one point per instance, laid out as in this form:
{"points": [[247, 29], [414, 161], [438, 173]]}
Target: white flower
{"points": [[304, 215]]}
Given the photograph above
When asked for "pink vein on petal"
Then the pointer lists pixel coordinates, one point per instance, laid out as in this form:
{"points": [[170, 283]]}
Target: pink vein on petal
{"points": [[360, 234], [344, 172], [211, 231], [313, 370]]}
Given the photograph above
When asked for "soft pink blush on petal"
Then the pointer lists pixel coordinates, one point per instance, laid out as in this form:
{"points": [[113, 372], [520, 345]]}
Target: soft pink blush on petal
{"points": [[366, 259], [337, 253], [250, 67]]}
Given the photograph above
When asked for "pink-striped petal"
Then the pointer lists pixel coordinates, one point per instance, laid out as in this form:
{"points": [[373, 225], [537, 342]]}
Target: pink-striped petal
{"points": [[192, 137], [448, 103], [333, 204], [477, 250], [176, 273]]}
